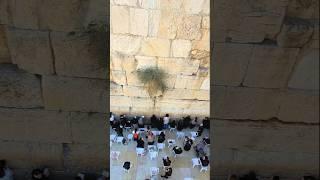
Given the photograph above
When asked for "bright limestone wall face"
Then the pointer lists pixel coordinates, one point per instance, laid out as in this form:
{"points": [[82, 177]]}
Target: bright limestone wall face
{"points": [[173, 35]]}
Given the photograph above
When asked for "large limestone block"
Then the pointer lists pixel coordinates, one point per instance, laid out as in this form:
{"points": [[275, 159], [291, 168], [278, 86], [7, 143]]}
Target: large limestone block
{"points": [[303, 9], [35, 125], [133, 91], [299, 106], [121, 62], [125, 44], [189, 27], [154, 22], [205, 84], [18, 88], [28, 155], [3, 12], [204, 42], [139, 21], [199, 108], [168, 23], [193, 6], [124, 101], [24, 14], [188, 82], [266, 136], [174, 66], [155, 47], [142, 102], [206, 7], [132, 3], [180, 48], [74, 94], [60, 15], [230, 63], [115, 89], [91, 62], [186, 94], [173, 106], [270, 67], [120, 14], [144, 62], [245, 103], [171, 5], [205, 22], [247, 21], [133, 80], [149, 4], [91, 157], [295, 32], [4, 50], [31, 50], [306, 71], [118, 77], [88, 128]]}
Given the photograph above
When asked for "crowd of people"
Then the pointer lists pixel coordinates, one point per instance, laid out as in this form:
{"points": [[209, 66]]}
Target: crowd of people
{"points": [[44, 174], [253, 176], [144, 136]]}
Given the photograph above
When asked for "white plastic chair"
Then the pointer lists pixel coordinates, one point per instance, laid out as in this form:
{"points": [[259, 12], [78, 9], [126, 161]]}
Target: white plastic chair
{"points": [[172, 129], [119, 139], [195, 162], [113, 137], [160, 146], [153, 155], [140, 151], [115, 155], [194, 134], [154, 171], [156, 133], [130, 137], [180, 135], [152, 148], [171, 142], [204, 168]]}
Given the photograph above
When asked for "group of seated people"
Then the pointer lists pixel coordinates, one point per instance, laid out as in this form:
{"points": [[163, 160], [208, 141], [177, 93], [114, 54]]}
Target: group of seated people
{"points": [[44, 174]]}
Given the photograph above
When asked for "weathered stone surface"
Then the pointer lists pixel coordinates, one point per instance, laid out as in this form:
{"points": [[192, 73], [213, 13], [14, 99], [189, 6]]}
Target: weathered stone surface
{"points": [[125, 44], [24, 14], [299, 106], [176, 66], [189, 27], [206, 7], [204, 42], [245, 103], [121, 62], [31, 50], [126, 2], [139, 21], [193, 6], [188, 82], [28, 155], [132, 79], [229, 58], [18, 88], [3, 12], [88, 128], [35, 125], [4, 50], [248, 21], [91, 62], [205, 22], [118, 77], [303, 9], [96, 156], [270, 67], [120, 14], [155, 47], [87, 95], [295, 32], [205, 84], [132, 91], [149, 4], [168, 23], [180, 48], [154, 22], [145, 61], [186, 94], [123, 101], [115, 89], [171, 5], [306, 71], [198, 108]]}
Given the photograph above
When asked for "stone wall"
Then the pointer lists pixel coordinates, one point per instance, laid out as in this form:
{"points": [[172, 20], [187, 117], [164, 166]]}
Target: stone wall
{"points": [[53, 85], [265, 87], [172, 35]]}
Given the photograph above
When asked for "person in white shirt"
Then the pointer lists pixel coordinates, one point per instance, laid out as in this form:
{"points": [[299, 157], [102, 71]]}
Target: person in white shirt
{"points": [[111, 118], [166, 120]]}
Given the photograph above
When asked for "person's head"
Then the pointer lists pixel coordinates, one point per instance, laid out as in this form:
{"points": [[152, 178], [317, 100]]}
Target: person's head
{"points": [[110, 114], [36, 174], [196, 118], [167, 115], [162, 133]]}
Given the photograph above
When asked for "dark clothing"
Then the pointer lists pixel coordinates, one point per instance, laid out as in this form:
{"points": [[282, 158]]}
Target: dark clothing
{"points": [[204, 162], [206, 140], [180, 126], [177, 150], [166, 162], [161, 138], [206, 124], [140, 144], [153, 120], [126, 165], [187, 146]]}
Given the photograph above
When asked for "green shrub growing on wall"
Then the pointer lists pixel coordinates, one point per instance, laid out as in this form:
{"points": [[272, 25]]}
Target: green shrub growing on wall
{"points": [[153, 79]]}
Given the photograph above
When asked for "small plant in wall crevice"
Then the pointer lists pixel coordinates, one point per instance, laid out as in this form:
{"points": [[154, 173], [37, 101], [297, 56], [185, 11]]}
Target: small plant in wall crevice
{"points": [[154, 80]]}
